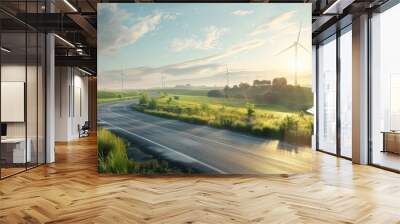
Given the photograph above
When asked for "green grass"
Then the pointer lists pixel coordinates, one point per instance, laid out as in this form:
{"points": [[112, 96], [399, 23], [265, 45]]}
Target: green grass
{"points": [[230, 102], [105, 96], [111, 153], [180, 91], [234, 114], [108, 100], [112, 158]]}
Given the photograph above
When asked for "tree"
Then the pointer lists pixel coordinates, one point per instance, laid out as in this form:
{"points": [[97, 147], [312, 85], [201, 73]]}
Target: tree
{"points": [[250, 110], [279, 82], [257, 83], [214, 93], [244, 86]]}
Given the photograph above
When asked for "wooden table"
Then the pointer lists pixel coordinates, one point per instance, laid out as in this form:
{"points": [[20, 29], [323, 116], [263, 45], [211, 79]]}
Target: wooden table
{"points": [[391, 141]]}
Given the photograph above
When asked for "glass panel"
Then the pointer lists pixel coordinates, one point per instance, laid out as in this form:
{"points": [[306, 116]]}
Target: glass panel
{"points": [[13, 87], [32, 89], [327, 96], [346, 94], [31, 98], [41, 99], [386, 89], [23, 90]]}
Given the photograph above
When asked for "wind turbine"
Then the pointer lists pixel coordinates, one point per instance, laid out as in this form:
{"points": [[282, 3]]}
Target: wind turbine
{"points": [[122, 80], [295, 46], [227, 75]]}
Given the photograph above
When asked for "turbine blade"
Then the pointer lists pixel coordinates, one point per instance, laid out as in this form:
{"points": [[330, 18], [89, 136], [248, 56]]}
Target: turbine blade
{"points": [[284, 50], [298, 35], [304, 48]]}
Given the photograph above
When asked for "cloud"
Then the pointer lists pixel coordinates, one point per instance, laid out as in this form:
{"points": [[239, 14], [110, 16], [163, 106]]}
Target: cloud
{"points": [[242, 12], [198, 68], [117, 31], [210, 40], [248, 45], [278, 22]]}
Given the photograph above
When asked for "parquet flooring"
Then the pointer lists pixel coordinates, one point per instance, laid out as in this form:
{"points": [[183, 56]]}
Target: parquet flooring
{"points": [[71, 191]]}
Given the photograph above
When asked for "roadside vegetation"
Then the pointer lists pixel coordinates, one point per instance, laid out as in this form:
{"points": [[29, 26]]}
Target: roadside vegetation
{"points": [[105, 96], [285, 119], [275, 92], [113, 158]]}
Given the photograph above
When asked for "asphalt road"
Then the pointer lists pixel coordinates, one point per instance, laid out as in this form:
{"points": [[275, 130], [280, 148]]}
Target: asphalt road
{"points": [[208, 149]]}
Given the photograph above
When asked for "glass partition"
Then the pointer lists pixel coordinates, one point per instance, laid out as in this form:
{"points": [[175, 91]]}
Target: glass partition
{"points": [[41, 97], [327, 96], [385, 89], [13, 94], [22, 87], [32, 98], [346, 93]]}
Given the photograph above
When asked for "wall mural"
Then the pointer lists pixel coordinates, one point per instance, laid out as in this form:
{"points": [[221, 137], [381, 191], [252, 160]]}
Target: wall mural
{"points": [[204, 88]]}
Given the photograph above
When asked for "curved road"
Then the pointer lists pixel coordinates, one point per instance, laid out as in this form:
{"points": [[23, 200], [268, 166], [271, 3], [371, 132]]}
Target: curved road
{"points": [[208, 149]]}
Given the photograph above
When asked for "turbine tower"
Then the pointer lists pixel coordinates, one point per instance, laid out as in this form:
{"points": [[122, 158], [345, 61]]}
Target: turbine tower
{"points": [[163, 82], [295, 46], [227, 76], [122, 80]]}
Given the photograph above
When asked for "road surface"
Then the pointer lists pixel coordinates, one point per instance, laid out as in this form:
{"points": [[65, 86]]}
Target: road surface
{"points": [[208, 149]]}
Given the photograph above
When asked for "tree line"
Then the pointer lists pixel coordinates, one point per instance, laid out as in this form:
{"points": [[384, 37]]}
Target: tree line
{"points": [[277, 92]]}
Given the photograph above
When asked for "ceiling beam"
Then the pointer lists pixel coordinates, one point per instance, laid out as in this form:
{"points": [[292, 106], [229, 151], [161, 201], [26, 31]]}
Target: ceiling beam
{"points": [[78, 61]]}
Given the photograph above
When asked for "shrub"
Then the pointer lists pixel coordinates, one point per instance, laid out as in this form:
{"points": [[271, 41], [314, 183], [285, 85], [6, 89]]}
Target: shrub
{"points": [[152, 104], [250, 110], [143, 99], [204, 107], [169, 100]]}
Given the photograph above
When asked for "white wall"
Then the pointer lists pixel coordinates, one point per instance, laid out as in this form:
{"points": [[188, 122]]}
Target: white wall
{"points": [[71, 94], [12, 73]]}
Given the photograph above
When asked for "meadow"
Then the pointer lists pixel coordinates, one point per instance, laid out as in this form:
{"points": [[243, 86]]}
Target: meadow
{"points": [[266, 120], [105, 96]]}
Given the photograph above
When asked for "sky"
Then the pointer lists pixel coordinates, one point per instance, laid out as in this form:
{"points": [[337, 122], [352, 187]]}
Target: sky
{"points": [[142, 46]]}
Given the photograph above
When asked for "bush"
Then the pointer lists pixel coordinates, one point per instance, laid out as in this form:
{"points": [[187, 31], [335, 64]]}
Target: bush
{"points": [[169, 100], [215, 93], [152, 104], [250, 110], [143, 100]]}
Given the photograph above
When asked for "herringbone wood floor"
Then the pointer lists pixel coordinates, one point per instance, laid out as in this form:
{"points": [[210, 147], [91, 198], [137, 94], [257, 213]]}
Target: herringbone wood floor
{"points": [[71, 191]]}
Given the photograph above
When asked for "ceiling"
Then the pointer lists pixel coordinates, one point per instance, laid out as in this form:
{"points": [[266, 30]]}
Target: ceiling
{"points": [[75, 22]]}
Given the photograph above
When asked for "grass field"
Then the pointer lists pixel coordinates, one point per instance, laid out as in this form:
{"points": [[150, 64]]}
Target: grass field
{"points": [[272, 121], [186, 92], [200, 96], [231, 102], [105, 96]]}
